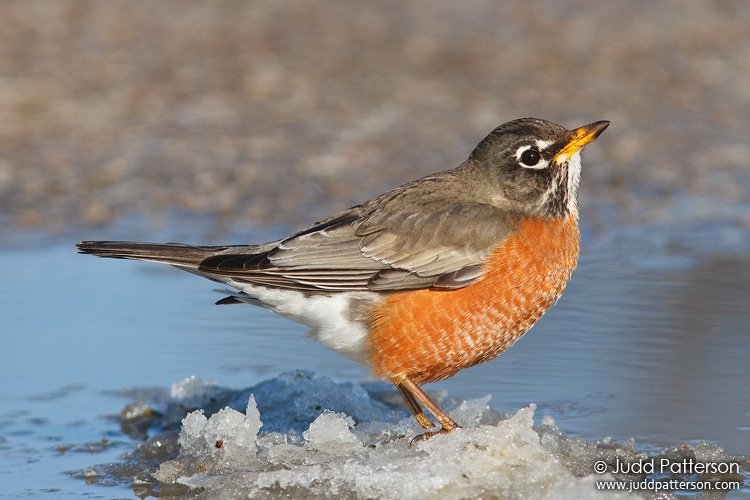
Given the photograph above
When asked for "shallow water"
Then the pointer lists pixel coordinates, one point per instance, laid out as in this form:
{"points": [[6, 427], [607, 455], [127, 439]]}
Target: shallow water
{"points": [[653, 347]]}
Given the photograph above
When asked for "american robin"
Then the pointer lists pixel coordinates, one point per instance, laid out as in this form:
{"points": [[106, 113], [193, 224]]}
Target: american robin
{"points": [[432, 277]]}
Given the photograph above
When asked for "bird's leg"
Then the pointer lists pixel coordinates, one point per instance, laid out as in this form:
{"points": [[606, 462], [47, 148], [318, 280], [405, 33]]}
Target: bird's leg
{"points": [[413, 405], [413, 394]]}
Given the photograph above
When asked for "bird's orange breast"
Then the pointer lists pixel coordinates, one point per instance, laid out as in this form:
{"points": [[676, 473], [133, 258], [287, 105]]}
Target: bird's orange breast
{"points": [[430, 335]]}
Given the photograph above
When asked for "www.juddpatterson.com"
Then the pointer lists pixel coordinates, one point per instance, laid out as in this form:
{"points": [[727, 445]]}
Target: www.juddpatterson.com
{"points": [[656, 485], [686, 467]]}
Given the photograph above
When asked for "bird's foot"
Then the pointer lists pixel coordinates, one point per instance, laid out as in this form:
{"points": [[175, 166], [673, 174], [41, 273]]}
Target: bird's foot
{"points": [[447, 428]]}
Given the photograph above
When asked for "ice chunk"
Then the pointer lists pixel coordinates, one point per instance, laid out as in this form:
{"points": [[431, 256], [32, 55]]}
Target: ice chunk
{"points": [[290, 402], [227, 439], [470, 413], [330, 433], [193, 391], [323, 438], [505, 460]]}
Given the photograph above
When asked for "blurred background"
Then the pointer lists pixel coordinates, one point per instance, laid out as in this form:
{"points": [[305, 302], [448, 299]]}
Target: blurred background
{"points": [[271, 113], [241, 121]]}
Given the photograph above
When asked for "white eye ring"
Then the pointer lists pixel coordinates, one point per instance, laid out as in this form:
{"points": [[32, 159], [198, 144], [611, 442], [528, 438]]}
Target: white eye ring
{"points": [[539, 165]]}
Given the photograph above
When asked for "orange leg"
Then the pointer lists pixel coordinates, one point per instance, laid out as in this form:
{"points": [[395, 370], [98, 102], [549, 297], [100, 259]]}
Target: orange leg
{"points": [[413, 395], [413, 405]]}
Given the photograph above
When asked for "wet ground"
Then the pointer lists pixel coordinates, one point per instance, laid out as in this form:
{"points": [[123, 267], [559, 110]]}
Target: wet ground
{"points": [[238, 122]]}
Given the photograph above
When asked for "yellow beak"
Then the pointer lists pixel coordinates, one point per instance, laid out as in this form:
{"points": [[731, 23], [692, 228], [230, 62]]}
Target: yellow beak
{"points": [[579, 138]]}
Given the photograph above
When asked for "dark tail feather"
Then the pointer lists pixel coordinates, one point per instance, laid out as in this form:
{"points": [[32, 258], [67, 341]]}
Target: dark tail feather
{"points": [[175, 254]]}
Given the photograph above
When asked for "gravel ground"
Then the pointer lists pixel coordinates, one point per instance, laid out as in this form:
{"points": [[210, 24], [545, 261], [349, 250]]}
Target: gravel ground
{"points": [[279, 113]]}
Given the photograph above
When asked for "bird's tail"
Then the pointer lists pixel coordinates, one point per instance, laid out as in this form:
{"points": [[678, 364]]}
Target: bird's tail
{"points": [[176, 254]]}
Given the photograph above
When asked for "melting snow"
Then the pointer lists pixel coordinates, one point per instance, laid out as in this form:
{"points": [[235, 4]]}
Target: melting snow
{"points": [[301, 435]]}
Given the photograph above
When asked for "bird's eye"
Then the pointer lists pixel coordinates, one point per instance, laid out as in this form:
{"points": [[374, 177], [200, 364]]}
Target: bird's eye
{"points": [[530, 157]]}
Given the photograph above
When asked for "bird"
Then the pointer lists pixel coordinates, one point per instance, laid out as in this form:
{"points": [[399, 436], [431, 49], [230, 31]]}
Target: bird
{"points": [[432, 277]]}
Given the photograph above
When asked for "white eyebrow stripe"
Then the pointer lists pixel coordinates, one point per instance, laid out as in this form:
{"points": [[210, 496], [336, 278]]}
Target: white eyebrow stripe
{"points": [[542, 145]]}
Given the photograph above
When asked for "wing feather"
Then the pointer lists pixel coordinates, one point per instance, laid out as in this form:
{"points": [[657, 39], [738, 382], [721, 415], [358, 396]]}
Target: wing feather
{"points": [[407, 239]]}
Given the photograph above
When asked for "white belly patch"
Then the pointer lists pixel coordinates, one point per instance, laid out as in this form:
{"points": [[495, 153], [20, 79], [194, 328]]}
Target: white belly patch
{"points": [[329, 317]]}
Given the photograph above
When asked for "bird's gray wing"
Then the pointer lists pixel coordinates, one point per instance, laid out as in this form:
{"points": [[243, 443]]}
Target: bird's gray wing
{"points": [[402, 240]]}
